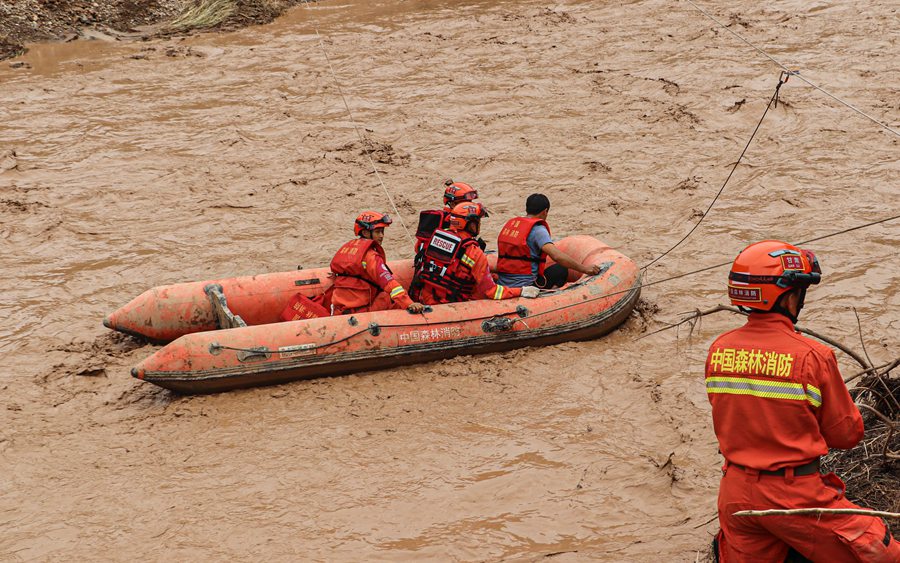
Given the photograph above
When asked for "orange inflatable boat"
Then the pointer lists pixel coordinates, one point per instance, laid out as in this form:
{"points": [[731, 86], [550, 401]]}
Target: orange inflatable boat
{"points": [[261, 349]]}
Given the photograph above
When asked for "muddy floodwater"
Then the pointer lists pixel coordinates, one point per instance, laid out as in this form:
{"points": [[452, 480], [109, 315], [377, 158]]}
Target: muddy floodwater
{"points": [[126, 165]]}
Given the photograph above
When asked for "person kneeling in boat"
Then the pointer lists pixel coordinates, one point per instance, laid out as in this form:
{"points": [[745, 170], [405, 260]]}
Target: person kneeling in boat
{"points": [[362, 280], [453, 267], [524, 245]]}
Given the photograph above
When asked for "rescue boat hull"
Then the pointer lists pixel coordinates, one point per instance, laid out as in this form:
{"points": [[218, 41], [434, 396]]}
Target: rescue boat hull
{"points": [[209, 361]]}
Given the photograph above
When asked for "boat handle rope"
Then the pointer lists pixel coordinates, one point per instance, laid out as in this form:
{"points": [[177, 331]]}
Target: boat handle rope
{"points": [[215, 347], [374, 329]]}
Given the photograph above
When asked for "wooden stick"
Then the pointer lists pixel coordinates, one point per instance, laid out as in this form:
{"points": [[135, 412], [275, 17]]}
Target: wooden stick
{"points": [[819, 511]]}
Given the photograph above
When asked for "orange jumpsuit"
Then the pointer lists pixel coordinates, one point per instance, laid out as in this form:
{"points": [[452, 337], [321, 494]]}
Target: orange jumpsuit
{"points": [[472, 268], [363, 281], [778, 403]]}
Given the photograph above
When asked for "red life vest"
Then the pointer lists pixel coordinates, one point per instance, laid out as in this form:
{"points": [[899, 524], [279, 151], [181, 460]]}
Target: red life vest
{"points": [[512, 246], [347, 265], [445, 268]]}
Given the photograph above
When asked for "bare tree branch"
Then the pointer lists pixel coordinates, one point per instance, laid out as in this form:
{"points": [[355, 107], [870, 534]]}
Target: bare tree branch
{"points": [[881, 368], [691, 317], [859, 359], [862, 341], [890, 424]]}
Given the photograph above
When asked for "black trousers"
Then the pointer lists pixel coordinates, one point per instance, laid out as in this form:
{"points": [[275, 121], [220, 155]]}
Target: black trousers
{"points": [[554, 276]]}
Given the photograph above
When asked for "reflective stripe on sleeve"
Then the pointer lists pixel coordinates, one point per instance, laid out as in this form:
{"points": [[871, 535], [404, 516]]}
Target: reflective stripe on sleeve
{"points": [[397, 291], [467, 261], [764, 388], [814, 396], [498, 293]]}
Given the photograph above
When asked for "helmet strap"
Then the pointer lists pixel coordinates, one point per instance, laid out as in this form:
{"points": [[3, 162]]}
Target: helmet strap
{"points": [[780, 308], [802, 300]]}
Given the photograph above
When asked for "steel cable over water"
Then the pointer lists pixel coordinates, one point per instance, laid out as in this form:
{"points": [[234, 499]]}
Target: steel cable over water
{"points": [[362, 140], [713, 267], [795, 72], [782, 79]]}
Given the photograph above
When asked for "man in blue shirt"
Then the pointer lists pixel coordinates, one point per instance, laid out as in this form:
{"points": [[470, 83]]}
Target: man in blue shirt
{"points": [[524, 245]]}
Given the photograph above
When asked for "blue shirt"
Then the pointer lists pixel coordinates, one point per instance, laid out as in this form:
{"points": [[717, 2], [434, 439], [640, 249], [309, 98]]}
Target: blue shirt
{"points": [[537, 238]]}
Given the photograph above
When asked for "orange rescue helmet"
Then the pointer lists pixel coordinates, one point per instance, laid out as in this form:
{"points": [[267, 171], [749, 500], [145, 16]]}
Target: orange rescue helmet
{"points": [[463, 213], [371, 220], [765, 270], [457, 192]]}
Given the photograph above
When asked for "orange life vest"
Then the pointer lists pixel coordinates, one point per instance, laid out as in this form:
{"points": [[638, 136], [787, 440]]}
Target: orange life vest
{"points": [[512, 245], [347, 265], [445, 268]]}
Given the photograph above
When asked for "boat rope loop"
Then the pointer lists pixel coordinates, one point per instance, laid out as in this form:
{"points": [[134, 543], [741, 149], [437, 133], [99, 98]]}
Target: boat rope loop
{"points": [[796, 72], [215, 347], [773, 102], [362, 141]]}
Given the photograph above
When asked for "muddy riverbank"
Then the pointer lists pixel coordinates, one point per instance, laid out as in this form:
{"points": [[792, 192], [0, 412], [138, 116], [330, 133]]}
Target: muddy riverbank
{"points": [[30, 21]]}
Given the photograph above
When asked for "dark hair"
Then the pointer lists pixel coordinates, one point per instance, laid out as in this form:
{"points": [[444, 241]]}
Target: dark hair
{"points": [[536, 203]]}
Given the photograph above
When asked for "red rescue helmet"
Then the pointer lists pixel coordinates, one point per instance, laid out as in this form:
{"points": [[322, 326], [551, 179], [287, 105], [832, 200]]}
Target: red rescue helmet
{"points": [[462, 213], [457, 192], [371, 220], [765, 270]]}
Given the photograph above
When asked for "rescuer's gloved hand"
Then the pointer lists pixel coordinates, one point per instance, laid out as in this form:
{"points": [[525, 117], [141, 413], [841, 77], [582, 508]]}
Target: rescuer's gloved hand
{"points": [[530, 292], [481, 244]]}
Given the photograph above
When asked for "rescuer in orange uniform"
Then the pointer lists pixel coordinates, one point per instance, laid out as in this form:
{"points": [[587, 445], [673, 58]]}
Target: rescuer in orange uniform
{"points": [[778, 404], [524, 245], [432, 219], [456, 193], [453, 268], [362, 280]]}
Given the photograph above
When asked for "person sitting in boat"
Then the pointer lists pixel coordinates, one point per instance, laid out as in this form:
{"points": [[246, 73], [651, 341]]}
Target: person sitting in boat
{"points": [[524, 245], [453, 267], [431, 219], [362, 280]]}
